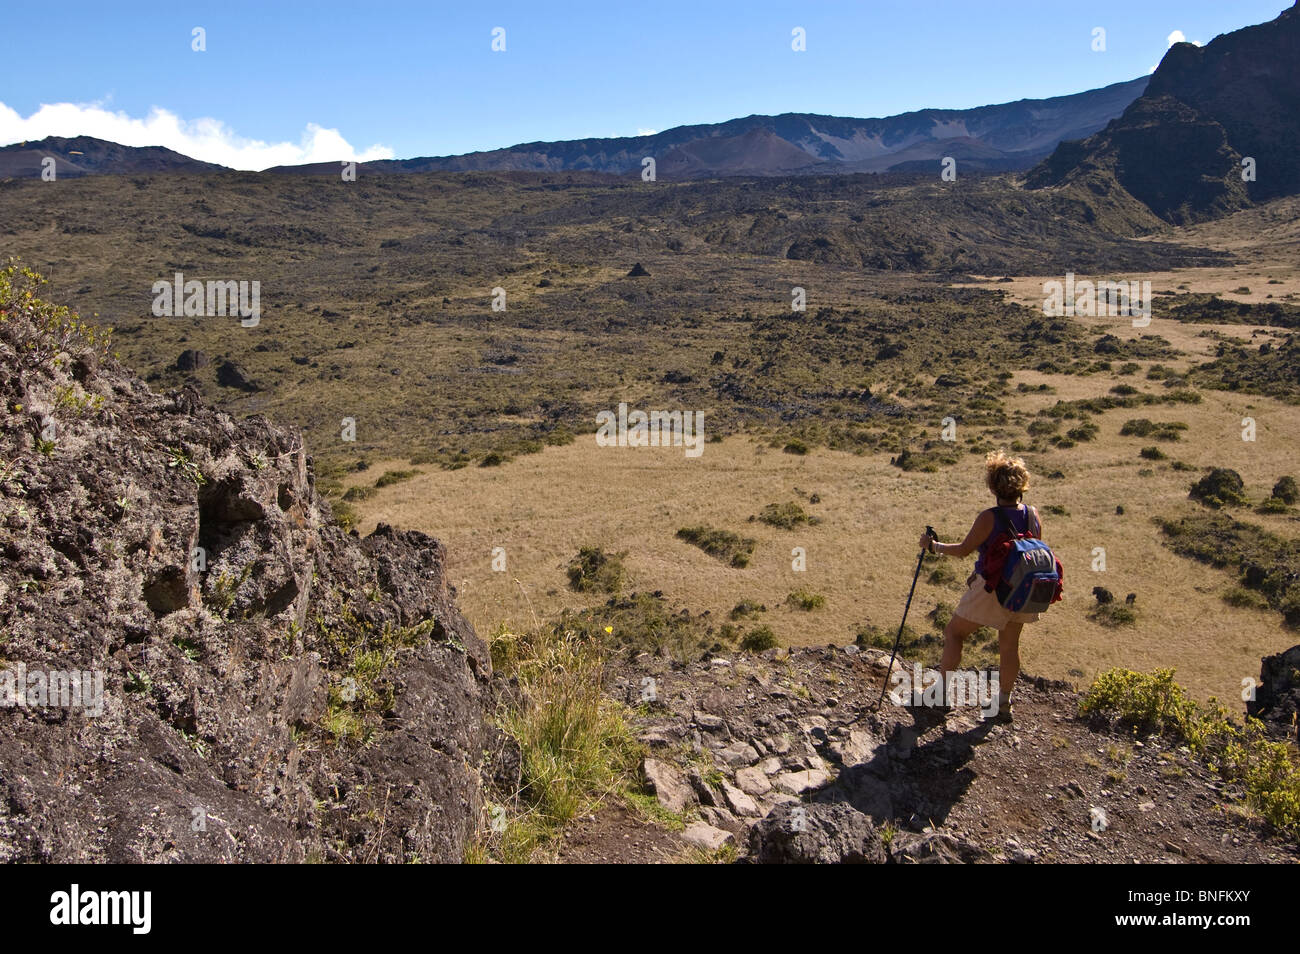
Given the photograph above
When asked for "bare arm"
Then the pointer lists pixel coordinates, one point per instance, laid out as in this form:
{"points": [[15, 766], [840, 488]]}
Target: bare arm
{"points": [[979, 532]]}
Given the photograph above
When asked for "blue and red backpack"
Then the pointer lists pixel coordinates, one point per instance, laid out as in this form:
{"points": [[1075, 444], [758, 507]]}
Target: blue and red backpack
{"points": [[1021, 570]]}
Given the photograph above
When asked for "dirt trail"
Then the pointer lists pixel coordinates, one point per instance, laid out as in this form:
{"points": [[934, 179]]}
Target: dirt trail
{"points": [[733, 738]]}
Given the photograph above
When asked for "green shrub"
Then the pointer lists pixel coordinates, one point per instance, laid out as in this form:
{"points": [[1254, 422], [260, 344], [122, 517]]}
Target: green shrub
{"points": [[1084, 432], [1241, 597], [345, 515], [927, 461], [1265, 562], [1113, 614], [595, 571], [1150, 703], [39, 333], [642, 622], [359, 493], [804, 600], [1221, 487], [786, 516], [1239, 753], [575, 744], [1152, 453], [391, 477], [1286, 491], [559, 436], [944, 572], [1162, 431], [758, 640], [746, 608], [724, 545]]}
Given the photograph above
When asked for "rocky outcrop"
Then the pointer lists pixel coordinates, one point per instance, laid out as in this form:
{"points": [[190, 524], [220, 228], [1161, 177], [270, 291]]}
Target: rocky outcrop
{"points": [[1179, 148], [273, 689], [816, 834], [1277, 698]]}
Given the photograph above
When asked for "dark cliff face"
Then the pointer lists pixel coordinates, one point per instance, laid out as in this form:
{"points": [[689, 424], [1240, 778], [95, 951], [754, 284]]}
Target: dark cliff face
{"points": [[273, 689], [1179, 147]]}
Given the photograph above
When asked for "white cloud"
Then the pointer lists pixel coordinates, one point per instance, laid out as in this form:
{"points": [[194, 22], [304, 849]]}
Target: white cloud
{"points": [[645, 132], [208, 139], [1179, 37]]}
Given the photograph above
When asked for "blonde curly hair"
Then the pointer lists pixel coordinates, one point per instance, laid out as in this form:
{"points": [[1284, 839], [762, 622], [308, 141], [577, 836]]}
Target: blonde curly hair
{"points": [[1008, 477]]}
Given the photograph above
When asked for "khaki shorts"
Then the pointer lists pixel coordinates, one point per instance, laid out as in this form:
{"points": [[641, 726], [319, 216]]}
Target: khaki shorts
{"points": [[982, 607]]}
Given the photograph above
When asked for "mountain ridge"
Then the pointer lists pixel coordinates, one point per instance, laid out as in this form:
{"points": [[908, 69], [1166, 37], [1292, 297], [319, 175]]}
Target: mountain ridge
{"points": [[996, 138], [1215, 130]]}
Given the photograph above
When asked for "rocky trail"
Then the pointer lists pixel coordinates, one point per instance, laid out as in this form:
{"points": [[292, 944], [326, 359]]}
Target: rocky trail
{"points": [[779, 757]]}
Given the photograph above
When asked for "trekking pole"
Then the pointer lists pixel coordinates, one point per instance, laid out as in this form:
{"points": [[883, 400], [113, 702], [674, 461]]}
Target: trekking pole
{"points": [[929, 532]]}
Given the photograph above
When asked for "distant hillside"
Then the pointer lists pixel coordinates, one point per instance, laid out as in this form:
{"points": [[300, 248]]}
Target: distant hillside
{"points": [[1178, 148], [1006, 137], [1009, 136], [85, 155]]}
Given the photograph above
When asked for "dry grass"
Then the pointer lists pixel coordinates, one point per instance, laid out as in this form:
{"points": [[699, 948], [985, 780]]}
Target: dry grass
{"points": [[542, 508]]}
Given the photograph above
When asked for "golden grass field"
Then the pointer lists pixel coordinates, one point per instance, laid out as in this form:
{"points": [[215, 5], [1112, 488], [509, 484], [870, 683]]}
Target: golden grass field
{"points": [[542, 507]]}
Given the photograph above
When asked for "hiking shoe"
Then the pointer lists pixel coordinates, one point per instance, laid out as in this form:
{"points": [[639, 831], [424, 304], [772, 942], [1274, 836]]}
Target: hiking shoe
{"points": [[1004, 715]]}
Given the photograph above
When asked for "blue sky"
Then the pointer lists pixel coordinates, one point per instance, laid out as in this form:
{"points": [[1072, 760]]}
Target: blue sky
{"points": [[299, 81]]}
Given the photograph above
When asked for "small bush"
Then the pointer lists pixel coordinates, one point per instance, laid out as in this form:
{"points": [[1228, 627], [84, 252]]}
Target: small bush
{"points": [[730, 548], [1151, 703], [786, 516], [575, 744], [1084, 432], [42, 335], [345, 515], [1155, 704], [393, 477], [1241, 597], [1162, 431], [941, 615], [595, 571], [943, 573], [1285, 490], [1113, 614], [804, 600], [746, 608], [758, 640], [1152, 453], [1221, 487]]}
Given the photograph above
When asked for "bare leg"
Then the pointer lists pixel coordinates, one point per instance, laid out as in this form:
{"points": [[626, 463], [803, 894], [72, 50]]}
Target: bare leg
{"points": [[954, 636], [1009, 653]]}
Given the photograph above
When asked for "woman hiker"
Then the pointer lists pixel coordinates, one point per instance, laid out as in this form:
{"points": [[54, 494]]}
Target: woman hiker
{"points": [[1007, 479]]}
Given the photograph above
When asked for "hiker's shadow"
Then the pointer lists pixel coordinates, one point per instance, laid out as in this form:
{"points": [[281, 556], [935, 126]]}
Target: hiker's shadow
{"points": [[910, 775]]}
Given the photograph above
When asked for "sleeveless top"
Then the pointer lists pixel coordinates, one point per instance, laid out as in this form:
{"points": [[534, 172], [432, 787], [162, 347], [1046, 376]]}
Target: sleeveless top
{"points": [[1021, 525]]}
